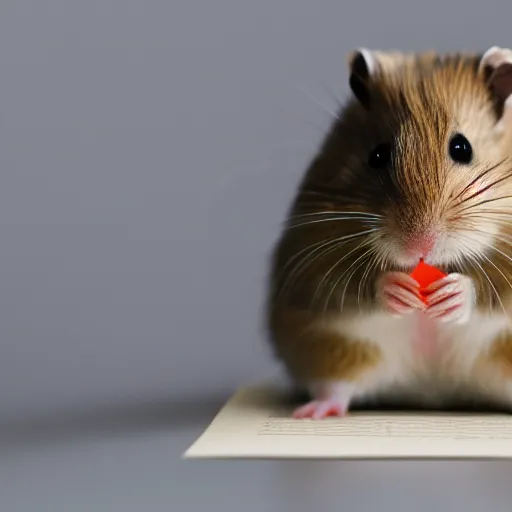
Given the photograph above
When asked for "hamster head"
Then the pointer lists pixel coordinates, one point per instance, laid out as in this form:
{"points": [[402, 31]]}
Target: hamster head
{"points": [[424, 150]]}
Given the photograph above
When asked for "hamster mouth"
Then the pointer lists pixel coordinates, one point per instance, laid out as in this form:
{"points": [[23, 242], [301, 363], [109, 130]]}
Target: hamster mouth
{"points": [[407, 260], [449, 248]]}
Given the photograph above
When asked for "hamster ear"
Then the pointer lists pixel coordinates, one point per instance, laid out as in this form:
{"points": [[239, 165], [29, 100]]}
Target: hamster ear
{"points": [[365, 64], [362, 66], [496, 67]]}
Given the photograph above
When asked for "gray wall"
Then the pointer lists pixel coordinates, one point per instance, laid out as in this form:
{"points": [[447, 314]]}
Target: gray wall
{"points": [[148, 151]]}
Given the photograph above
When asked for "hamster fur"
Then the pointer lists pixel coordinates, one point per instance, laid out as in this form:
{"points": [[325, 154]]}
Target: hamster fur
{"points": [[417, 165]]}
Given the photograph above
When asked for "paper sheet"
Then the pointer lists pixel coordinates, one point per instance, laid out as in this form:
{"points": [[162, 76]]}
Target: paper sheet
{"points": [[256, 423]]}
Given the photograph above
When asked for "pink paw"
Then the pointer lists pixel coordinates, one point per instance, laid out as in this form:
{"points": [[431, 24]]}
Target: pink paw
{"points": [[320, 409], [451, 299], [399, 293]]}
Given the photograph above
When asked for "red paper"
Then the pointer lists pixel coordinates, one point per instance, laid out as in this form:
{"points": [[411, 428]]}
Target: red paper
{"points": [[425, 275]]}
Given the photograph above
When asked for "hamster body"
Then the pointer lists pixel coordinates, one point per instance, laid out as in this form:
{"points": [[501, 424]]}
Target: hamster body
{"points": [[418, 166]]}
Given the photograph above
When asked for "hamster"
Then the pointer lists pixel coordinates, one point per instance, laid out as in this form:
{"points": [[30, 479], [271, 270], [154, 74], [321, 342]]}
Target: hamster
{"points": [[417, 166]]}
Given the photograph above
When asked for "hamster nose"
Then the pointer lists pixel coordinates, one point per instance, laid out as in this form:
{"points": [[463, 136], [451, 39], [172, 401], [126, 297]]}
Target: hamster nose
{"points": [[419, 246]]}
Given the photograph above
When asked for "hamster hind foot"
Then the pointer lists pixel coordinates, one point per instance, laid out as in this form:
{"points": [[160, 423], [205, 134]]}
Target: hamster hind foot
{"points": [[329, 399]]}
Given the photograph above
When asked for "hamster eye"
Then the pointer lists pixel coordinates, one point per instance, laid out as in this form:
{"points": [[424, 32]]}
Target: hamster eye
{"points": [[380, 157], [460, 149]]}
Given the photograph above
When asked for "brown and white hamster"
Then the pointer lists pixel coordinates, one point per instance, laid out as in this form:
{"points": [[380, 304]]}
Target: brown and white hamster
{"points": [[418, 165]]}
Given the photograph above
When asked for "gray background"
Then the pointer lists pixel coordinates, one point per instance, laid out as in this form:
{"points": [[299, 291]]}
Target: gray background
{"points": [[148, 152]]}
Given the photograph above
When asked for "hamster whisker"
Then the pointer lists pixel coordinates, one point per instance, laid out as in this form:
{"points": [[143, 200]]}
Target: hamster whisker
{"points": [[364, 278], [459, 262], [332, 194], [349, 278], [502, 274], [505, 256], [327, 250], [485, 189], [501, 219], [470, 262], [503, 238], [383, 259], [492, 263], [367, 221], [335, 285], [376, 215], [506, 239], [334, 115], [475, 261], [326, 242], [479, 177], [325, 278], [485, 201], [498, 269], [360, 259], [505, 242], [323, 248], [471, 224], [508, 260], [494, 211]]}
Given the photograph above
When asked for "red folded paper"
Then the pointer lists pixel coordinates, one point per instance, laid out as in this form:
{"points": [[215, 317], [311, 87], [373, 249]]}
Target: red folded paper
{"points": [[425, 275]]}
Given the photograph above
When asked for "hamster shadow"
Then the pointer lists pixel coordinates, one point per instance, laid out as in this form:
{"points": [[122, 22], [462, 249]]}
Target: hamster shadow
{"points": [[456, 406]]}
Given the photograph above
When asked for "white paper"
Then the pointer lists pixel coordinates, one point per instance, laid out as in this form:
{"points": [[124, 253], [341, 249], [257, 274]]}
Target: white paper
{"points": [[255, 423]]}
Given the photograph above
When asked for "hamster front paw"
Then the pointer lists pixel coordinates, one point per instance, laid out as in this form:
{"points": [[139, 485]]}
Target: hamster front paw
{"points": [[399, 293], [451, 299]]}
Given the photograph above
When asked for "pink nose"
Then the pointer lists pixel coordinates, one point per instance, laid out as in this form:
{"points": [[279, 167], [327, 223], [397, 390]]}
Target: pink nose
{"points": [[420, 245]]}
